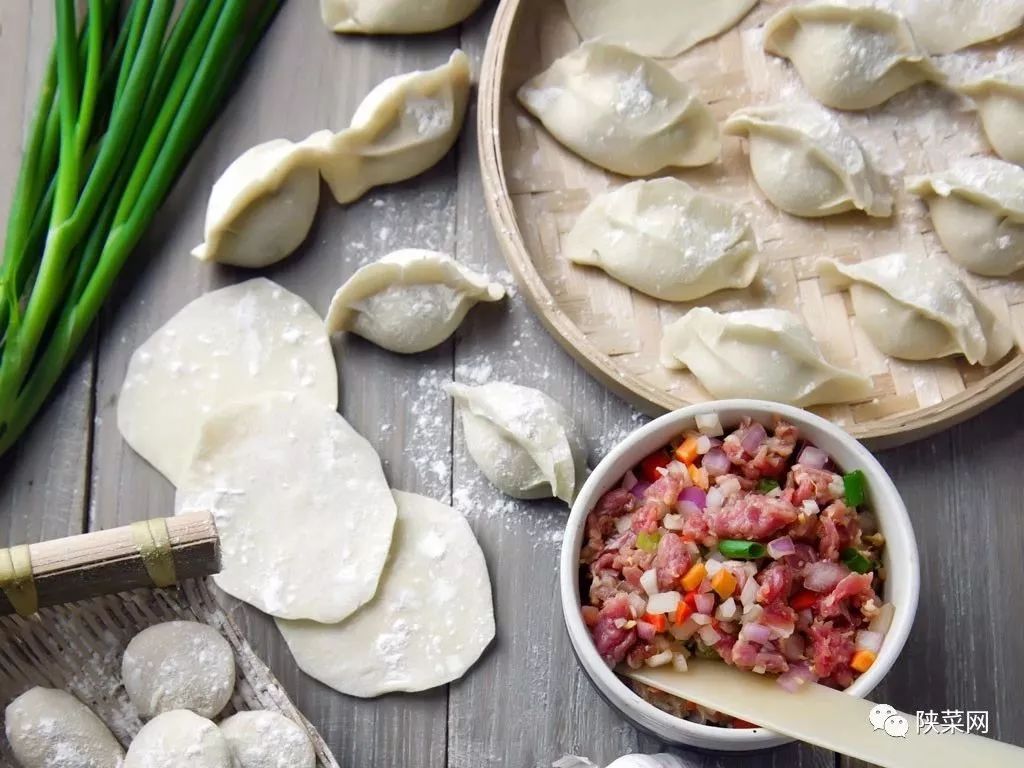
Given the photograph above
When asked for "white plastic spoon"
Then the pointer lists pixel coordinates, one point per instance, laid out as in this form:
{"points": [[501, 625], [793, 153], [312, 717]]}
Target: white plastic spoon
{"points": [[824, 717]]}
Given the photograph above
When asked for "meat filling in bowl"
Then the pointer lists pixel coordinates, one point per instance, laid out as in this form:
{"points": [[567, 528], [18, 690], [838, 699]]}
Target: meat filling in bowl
{"points": [[752, 548]]}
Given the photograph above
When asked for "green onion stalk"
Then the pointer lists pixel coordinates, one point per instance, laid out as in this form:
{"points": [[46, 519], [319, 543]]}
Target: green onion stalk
{"points": [[124, 101]]}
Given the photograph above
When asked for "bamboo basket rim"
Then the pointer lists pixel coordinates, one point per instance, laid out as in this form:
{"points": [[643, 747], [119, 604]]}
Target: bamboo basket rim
{"points": [[884, 432]]}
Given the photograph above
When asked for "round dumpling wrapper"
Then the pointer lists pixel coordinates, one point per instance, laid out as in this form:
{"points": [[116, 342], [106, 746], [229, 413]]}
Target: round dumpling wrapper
{"points": [[429, 623], [228, 345], [304, 513]]}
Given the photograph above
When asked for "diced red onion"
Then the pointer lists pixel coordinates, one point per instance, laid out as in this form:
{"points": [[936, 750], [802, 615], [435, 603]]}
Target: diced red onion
{"points": [[705, 586], [729, 486], [629, 480], [810, 507], [659, 659], [672, 522], [679, 663], [709, 424], [687, 508], [683, 632], [793, 647], [619, 541], [639, 489], [705, 603], [781, 547], [709, 635], [748, 595], [712, 566], [715, 499], [663, 602], [649, 581], [812, 457], [883, 620], [797, 676], [623, 524], [700, 619], [869, 641], [703, 445], [645, 631], [754, 438], [756, 633], [637, 603], [726, 610], [823, 576], [752, 614], [677, 468], [695, 496], [716, 463]]}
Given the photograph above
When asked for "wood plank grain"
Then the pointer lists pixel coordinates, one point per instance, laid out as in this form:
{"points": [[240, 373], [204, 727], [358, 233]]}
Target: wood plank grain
{"points": [[43, 479], [303, 79]]}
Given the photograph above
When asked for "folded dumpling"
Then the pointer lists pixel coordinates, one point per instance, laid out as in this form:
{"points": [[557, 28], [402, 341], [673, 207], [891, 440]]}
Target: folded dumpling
{"points": [[807, 163], [849, 56], [622, 111], [409, 301], [403, 127], [761, 353], [523, 441], [944, 26], [977, 209], [917, 309], [377, 17], [666, 239], [660, 28], [263, 205], [1000, 99]]}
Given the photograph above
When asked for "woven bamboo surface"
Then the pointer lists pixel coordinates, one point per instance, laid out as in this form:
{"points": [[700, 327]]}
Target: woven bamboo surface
{"points": [[536, 189], [78, 648]]}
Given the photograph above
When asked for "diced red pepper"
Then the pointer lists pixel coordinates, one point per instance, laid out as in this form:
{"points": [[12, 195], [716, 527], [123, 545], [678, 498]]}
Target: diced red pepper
{"points": [[691, 599], [683, 611], [649, 467], [804, 599], [737, 723], [658, 620]]}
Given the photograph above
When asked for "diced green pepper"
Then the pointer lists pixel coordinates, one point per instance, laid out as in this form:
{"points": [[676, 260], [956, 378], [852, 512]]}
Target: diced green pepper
{"points": [[856, 561], [855, 488], [767, 485], [648, 542], [735, 549]]}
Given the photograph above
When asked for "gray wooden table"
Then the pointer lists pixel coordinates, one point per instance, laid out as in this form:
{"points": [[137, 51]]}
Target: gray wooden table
{"points": [[526, 703]]}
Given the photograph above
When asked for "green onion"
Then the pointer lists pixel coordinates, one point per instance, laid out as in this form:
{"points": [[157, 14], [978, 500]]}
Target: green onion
{"points": [[648, 542], [736, 549], [767, 485], [856, 561], [123, 104], [855, 488]]}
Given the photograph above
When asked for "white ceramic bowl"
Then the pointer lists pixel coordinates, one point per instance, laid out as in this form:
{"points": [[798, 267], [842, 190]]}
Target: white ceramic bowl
{"points": [[900, 558]]}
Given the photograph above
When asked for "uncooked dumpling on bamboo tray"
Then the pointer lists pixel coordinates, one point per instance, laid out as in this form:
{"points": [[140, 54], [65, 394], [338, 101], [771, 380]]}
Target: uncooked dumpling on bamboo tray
{"points": [[977, 209], [47, 728], [391, 17], [409, 301], [523, 441], [429, 622], [767, 354], [178, 665], [999, 96], [403, 127], [230, 344], [807, 164], [299, 497], [944, 26], [659, 28], [263, 205], [917, 309], [267, 740], [666, 239], [176, 739], [849, 56], [622, 111]]}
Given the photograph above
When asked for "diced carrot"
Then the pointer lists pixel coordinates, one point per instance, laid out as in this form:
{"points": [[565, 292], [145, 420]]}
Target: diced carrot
{"points": [[698, 476], [687, 450], [737, 723], [862, 660], [804, 599], [693, 577], [683, 611], [649, 467], [658, 620], [724, 583]]}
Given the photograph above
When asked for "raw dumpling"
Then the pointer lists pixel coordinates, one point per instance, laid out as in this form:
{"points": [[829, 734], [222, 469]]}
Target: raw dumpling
{"points": [[666, 239], [522, 440], [267, 740], [660, 28], [230, 344], [944, 26], [394, 17], [849, 57], [47, 728], [178, 665], [917, 309], [409, 301], [977, 209], [429, 622], [403, 127], [176, 739], [301, 504], [807, 164], [762, 353], [622, 111], [1000, 100], [263, 205]]}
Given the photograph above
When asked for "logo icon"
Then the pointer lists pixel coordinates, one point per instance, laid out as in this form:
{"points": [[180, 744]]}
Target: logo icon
{"points": [[885, 718]]}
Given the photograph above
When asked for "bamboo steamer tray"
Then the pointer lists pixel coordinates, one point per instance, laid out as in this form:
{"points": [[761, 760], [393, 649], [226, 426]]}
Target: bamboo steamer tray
{"points": [[535, 189]]}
